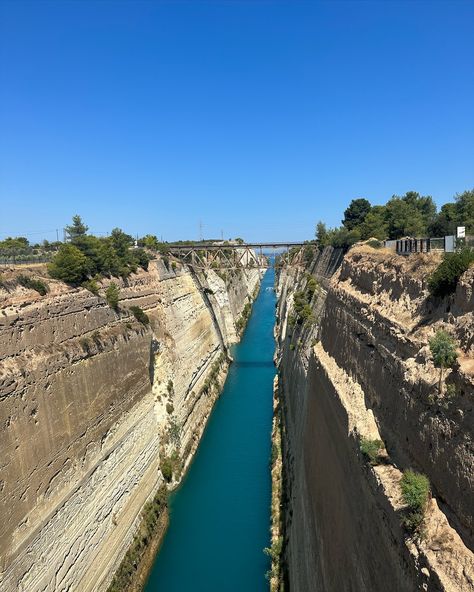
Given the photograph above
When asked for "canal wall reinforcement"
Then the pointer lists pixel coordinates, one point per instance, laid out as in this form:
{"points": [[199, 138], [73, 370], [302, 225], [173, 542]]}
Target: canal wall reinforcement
{"points": [[359, 368], [91, 403]]}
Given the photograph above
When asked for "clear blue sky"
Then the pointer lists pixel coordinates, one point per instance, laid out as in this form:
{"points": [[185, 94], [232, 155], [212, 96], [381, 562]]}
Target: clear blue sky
{"points": [[256, 117]]}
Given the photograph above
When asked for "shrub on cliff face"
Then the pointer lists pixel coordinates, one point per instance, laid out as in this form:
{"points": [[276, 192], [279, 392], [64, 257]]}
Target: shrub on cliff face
{"points": [[371, 449], [167, 469], [33, 284], [140, 315], [92, 286], [416, 493], [444, 279], [112, 295]]}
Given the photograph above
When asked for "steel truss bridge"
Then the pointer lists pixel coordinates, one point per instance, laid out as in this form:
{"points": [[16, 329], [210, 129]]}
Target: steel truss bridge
{"points": [[234, 255]]}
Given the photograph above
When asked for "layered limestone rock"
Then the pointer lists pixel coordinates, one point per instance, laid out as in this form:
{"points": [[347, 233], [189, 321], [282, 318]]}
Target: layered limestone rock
{"points": [[360, 368], [87, 397]]}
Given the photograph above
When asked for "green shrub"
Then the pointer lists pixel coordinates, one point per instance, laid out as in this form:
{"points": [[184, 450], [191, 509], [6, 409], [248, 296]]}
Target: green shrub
{"points": [[371, 449], [374, 243], [274, 551], [415, 489], [167, 468], [69, 265], [174, 431], [415, 492], [140, 315], [85, 344], [171, 465], [33, 284], [444, 279], [92, 286], [112, 295], [169, 408]]}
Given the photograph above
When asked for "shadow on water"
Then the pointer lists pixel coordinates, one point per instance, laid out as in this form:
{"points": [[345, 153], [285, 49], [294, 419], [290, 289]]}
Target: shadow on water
{"points": [[254, 364], [220, 516]]}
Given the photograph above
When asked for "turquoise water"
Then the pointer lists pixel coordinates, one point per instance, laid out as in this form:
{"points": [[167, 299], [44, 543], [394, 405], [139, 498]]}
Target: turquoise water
{"points": [[220, 515]]}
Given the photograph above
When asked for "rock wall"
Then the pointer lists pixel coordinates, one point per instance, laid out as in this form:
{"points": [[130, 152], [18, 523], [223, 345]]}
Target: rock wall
{"points": [[360, 368], [87, 395]]}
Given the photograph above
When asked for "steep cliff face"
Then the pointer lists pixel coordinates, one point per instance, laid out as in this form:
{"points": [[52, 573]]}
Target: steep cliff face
{"points": [[87, 399], [360, 368]]}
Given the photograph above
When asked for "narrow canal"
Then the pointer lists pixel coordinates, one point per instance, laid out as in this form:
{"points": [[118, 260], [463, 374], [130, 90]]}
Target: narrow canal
{"points": [[220, 515]]}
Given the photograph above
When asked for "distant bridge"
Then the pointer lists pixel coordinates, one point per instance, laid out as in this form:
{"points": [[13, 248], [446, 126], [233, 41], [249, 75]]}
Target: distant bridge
{"points": [[234, 255]]}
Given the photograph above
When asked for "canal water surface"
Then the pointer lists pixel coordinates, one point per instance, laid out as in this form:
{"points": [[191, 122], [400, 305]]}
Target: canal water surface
{"points": [[220, 515]]}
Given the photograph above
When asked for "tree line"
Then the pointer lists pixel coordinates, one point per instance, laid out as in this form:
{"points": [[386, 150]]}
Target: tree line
{"points": [[412, 215], [86, 256]]}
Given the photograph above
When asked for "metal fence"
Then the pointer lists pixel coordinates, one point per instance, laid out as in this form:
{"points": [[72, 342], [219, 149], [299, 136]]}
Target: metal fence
{"points": [[25, 259], [445, 244]]}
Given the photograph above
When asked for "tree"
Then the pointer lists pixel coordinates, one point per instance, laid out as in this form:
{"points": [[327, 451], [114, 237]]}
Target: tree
{"points": [[445, 222], [465, 210], [443, 350], [69, 265], [121, 242], [109, 262], [322, 234], [77, 228], [91, 247], [356, 213], [410, 215], [403, 219], [13, 246], [149, 241], [375, 225]]}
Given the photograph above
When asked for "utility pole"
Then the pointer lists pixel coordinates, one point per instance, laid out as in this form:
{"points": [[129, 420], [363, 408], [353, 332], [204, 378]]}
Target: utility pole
{"points": [[200, 230]]}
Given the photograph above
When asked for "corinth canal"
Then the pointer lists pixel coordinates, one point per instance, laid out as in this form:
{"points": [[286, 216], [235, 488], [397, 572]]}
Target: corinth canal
{"points": [[220, 515]]}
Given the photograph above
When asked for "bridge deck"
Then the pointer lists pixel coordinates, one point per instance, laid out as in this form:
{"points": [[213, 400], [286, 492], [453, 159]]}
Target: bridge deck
{"points": [[210, 246]]}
